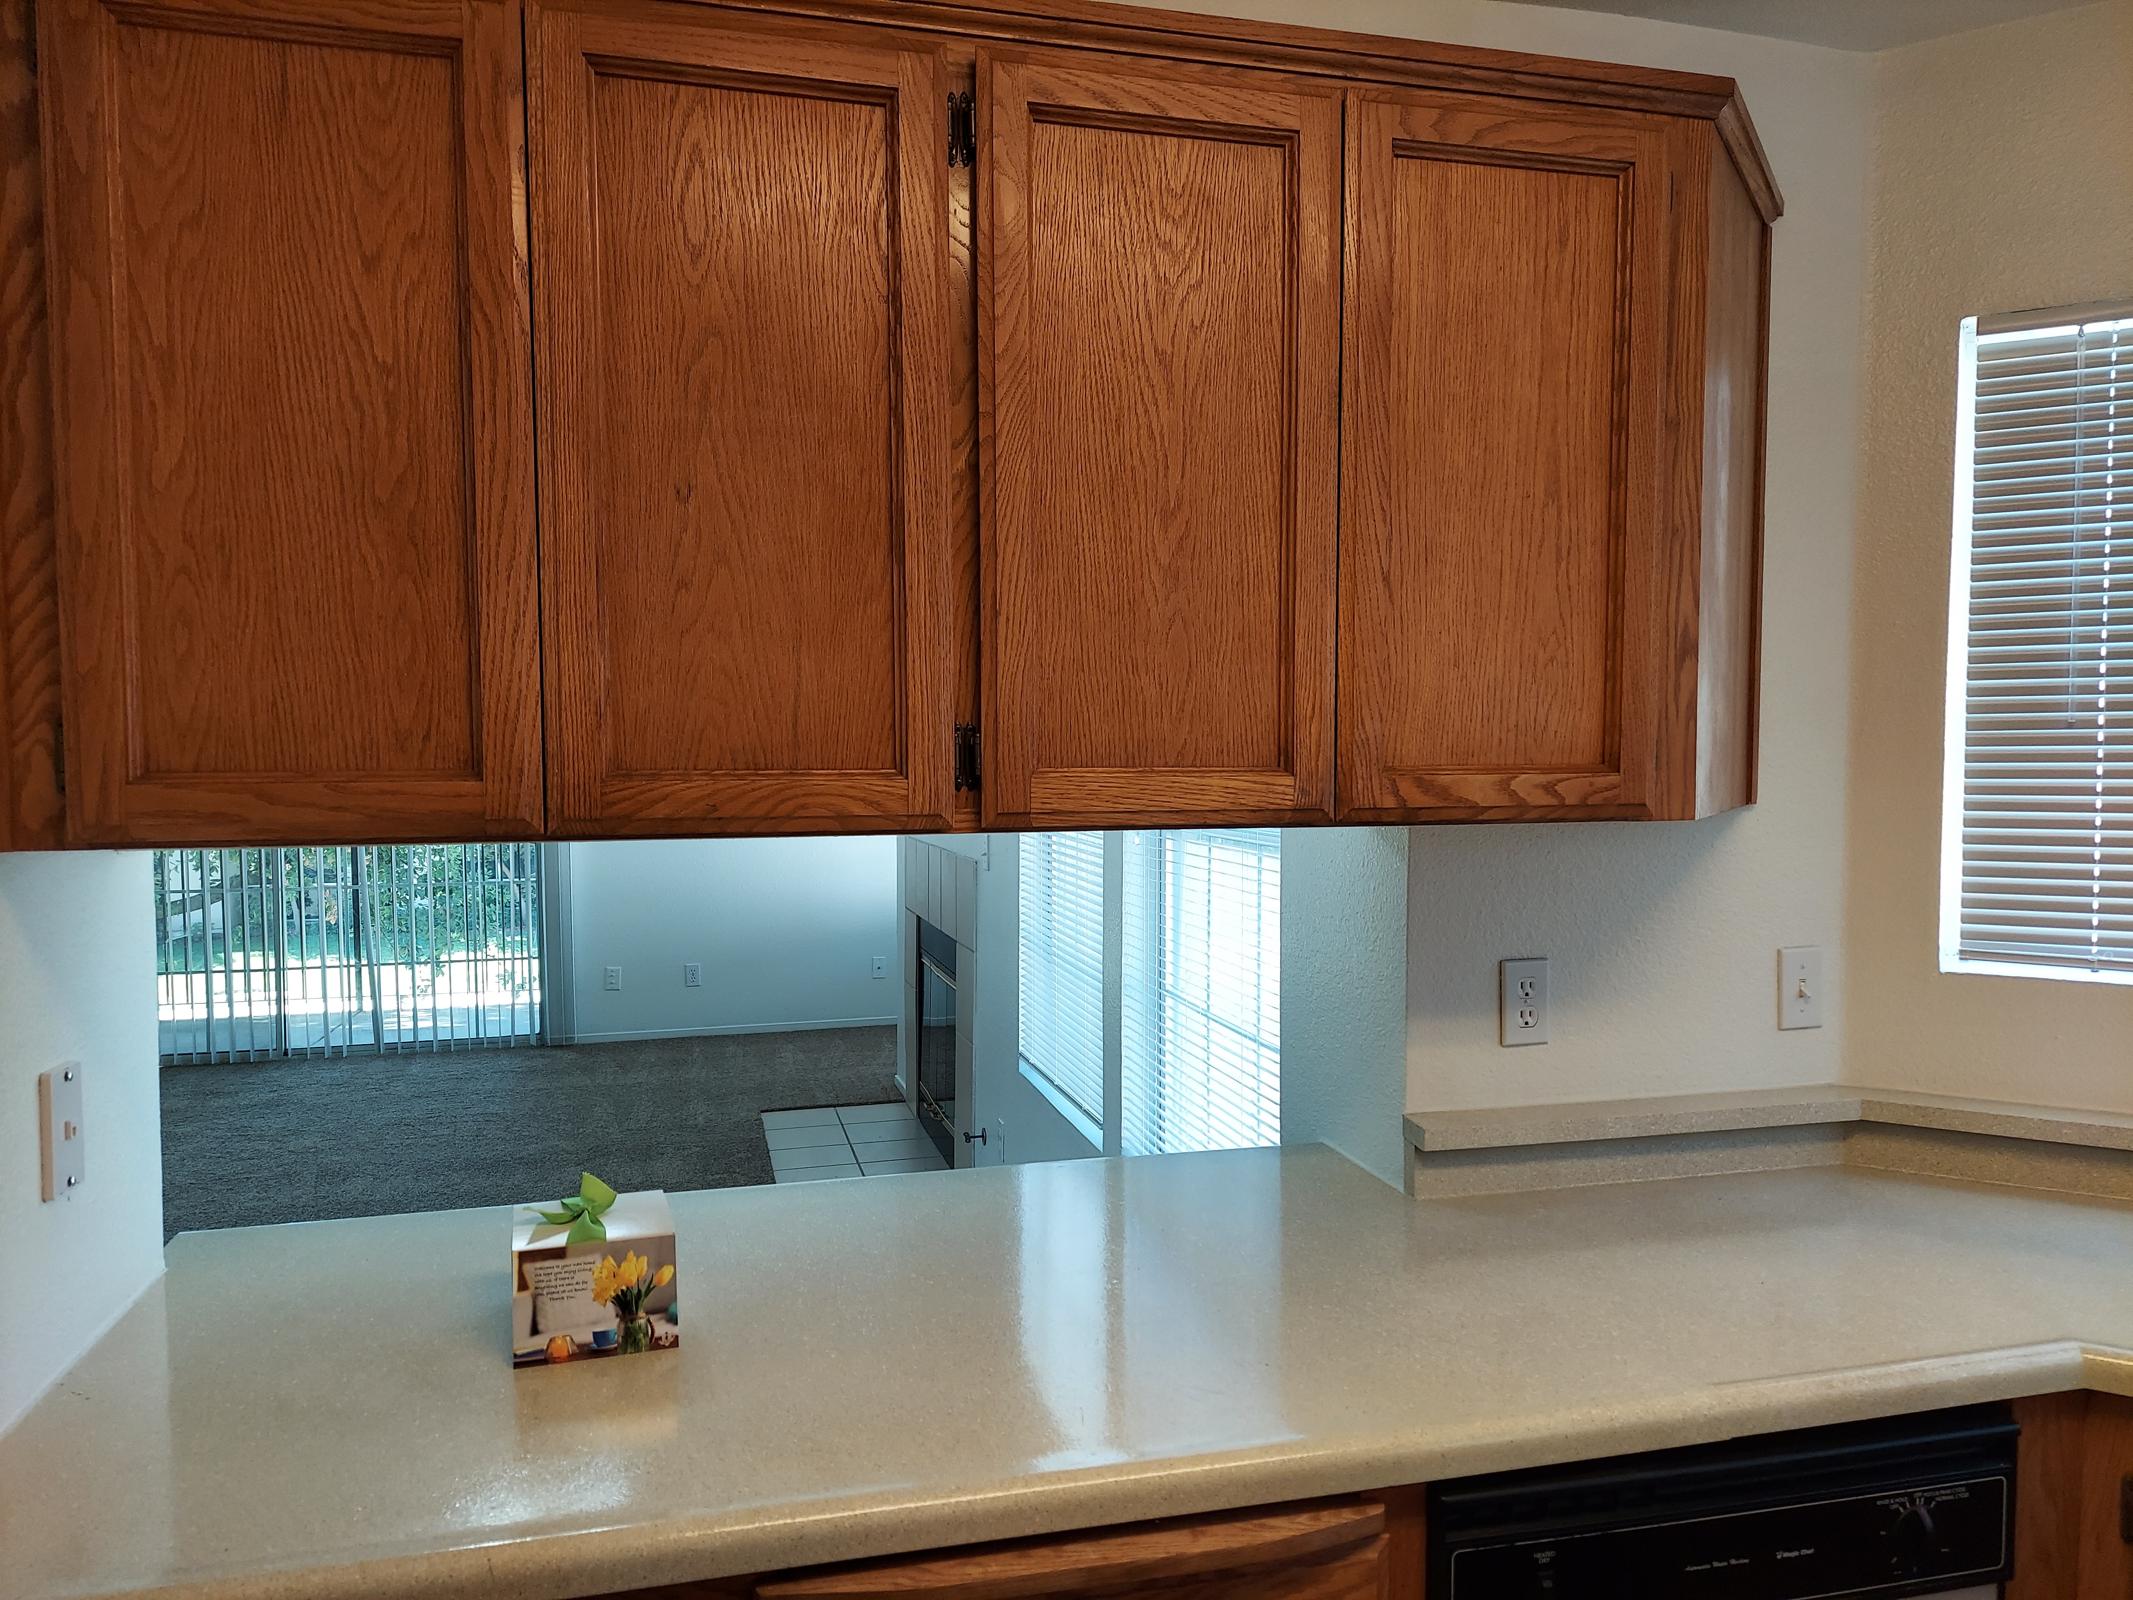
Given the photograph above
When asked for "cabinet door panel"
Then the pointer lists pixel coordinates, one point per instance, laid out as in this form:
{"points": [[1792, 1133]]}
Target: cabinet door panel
{"points": [[293, 420], [1502, 636], [744, 438], [1158, 347]]}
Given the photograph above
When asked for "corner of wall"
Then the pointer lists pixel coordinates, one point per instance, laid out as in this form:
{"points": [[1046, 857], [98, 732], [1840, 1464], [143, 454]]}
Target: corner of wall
{"points": [[77, 983]]}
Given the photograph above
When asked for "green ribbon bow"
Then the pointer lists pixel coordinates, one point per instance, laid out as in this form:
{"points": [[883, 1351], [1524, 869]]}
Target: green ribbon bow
{"points": [[583, 1210]]}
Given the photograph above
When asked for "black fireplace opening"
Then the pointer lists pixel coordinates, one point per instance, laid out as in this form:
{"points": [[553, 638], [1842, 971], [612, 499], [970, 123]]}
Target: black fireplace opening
{"points": [[935, 1045]]}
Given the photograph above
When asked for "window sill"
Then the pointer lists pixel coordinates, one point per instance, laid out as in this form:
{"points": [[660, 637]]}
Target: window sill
{"points": [[1076, 1118]]}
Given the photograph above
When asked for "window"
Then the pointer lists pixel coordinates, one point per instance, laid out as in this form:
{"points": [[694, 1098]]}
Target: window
{"points": [[322, 950], [1062, 1019], [1151, 983], [2037, 825]]}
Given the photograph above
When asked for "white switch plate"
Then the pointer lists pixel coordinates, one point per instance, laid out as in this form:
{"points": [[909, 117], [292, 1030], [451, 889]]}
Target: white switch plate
{"points": [[692, 974], [1800, 986], [612, 978], [59, 1141], [881, 966], [1522, 1001]]}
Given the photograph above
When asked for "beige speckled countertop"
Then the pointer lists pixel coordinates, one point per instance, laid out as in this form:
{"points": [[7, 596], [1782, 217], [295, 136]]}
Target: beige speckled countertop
{"points": [[893, 1363]]}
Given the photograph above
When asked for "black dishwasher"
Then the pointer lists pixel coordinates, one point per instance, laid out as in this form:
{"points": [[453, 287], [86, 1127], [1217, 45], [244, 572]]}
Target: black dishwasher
{"points": [[1920, 1505]]}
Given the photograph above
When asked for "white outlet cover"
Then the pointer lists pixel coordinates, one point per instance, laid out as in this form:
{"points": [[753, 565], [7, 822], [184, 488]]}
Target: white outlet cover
{"points": [[1522, 1001], [692, 974], [1800, 986], [612, 979]]}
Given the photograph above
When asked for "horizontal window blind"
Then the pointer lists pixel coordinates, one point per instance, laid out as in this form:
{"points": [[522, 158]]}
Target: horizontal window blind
{"points": [[1201, 1015], [1062, 966], [2038, 832]]}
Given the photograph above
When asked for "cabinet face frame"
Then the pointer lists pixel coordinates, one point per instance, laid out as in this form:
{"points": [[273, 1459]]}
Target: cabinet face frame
{"points": [[112, 797], [1384, 128], [568, 47], [1018, 91]]}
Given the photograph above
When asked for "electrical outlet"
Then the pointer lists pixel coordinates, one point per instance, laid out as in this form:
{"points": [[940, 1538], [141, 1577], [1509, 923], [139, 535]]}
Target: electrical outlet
{"points": [[1522, 1001], [612, 979], [881, 966], [1800, 986], [692, 974]]}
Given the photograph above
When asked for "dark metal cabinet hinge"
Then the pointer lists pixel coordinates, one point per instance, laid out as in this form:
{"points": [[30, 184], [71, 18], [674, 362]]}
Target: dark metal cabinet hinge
{"points": [[962, 129], [966, 756]]}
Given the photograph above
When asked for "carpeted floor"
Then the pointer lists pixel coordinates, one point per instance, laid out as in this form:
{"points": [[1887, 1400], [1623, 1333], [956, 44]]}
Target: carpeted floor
{"points": [[293, 1141]]}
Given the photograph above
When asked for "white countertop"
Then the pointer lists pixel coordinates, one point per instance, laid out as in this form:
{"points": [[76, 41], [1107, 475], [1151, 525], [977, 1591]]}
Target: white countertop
{"points": [[903, 1362]]}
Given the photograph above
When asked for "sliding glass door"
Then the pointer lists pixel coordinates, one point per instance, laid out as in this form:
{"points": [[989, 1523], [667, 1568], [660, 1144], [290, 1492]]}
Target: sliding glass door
{"points": [[323, 950]]}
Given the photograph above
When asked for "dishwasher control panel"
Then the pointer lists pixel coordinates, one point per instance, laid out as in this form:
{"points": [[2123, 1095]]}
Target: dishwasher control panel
{"points": [[1914, 1507], [1952, 1535]]}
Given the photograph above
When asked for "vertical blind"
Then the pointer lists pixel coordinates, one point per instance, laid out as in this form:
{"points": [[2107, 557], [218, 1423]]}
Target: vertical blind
{"points": [[1062, 962], [2037, 867], [323, 950], [1201, 1023]]}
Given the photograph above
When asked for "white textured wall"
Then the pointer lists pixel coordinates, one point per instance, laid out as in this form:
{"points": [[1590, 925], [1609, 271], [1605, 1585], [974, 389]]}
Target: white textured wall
{"points": [[786, 929], [77, 983], [2003, 180], [1344, 993], [1663, 939]]}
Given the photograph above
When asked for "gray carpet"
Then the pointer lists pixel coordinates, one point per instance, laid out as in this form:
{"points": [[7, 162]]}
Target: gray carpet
{"points": [[293, 1141]]}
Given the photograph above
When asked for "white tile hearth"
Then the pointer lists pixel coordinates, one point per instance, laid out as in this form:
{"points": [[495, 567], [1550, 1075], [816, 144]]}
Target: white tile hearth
{"points": [[847, 1142]]}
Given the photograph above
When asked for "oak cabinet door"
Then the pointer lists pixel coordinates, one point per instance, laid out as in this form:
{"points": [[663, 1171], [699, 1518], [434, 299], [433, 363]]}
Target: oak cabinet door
{"points": [[1503, 599], [292, 420], [742, 247], [1159, 307]]}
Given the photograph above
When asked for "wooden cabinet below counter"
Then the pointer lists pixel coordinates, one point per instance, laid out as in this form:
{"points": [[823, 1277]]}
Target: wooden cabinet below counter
{"points": [[505, 419], [1352, 1548]]}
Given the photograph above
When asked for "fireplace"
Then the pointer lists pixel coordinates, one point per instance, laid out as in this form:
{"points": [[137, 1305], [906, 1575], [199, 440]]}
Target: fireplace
{"points": [[934, 1035]]}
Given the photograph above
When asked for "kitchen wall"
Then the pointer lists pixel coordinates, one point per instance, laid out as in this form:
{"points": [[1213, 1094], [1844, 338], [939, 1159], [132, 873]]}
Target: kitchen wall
{"points": [[787, 931], [2002, 180], [77, 965], [1663, 938], [1344, 993]]}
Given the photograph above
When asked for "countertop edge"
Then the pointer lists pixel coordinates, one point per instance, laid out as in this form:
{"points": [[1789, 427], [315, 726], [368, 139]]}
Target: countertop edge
{"points": [[1577, 1122], [565, 1566]]}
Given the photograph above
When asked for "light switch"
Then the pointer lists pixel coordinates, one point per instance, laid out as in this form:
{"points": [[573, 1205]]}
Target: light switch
{"points": [[59, 1130], [1800, 986]]}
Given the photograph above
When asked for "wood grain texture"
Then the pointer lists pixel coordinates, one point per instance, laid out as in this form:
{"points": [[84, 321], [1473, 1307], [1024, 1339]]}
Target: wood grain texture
{"points": [[747, 553], [1158, 341], [1317, 1550], [31, 811], [1501, 629], [965, 598], [1287, 47], [2048, 1496], [1735, 384], [2106, 1567], [293, 420], [2075, 1456]]}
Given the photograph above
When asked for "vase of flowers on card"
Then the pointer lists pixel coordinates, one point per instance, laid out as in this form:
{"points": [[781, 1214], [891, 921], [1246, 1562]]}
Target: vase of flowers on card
{"points": [[624, 1288]]}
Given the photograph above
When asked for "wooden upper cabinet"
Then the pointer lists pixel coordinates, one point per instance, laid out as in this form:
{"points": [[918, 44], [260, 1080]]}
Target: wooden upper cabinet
{"points": [[1501, 621], [292, 419], [743, 335], [1525, 549], [1159, 312]]}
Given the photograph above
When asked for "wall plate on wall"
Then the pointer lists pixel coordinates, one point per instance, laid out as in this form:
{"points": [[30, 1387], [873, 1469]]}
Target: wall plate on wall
{"points": [[59, 1139]]}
